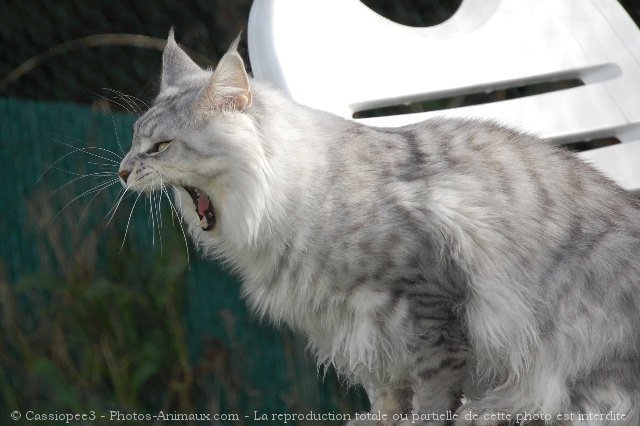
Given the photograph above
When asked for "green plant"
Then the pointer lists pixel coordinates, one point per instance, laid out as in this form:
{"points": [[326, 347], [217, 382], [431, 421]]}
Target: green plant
{"points": [[99, 328]]}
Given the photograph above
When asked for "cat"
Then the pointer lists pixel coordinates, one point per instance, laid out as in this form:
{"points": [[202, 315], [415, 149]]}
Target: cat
{"points": [[444, 258]]}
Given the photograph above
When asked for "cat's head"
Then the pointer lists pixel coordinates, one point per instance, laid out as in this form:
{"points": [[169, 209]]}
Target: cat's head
{"points": [[197, 138]]}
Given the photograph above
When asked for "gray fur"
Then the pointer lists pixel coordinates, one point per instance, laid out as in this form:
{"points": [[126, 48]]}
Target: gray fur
{"points": [[425, 261]]}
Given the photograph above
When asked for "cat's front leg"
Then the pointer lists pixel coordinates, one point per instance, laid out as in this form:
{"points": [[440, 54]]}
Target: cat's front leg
{"points": [[389, 403], [439, 372]]}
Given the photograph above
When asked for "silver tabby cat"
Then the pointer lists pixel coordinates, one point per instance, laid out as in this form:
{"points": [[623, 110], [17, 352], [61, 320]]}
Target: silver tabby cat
{"points": [[424, 262]]}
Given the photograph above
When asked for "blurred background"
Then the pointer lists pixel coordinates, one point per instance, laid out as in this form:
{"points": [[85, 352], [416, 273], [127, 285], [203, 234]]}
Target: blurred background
{"points": [[103, 304]]}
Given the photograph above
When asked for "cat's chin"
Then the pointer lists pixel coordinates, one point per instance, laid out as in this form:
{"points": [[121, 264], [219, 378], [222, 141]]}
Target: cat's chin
{"points": [[203, 206]]}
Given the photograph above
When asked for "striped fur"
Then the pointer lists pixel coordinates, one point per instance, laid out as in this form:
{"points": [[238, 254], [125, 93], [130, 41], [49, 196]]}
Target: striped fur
{"points": [[424, 262]]}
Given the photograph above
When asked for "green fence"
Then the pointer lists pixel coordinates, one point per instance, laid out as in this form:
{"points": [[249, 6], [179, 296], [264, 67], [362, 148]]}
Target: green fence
{"points": [[94, 320]]}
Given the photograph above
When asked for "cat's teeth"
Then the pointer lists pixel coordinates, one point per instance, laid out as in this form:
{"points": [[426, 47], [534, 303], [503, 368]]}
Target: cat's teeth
{"points": [[203, 223]]}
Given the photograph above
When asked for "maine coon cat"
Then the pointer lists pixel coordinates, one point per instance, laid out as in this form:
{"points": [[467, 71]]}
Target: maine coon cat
{"points": [[424, 262]]}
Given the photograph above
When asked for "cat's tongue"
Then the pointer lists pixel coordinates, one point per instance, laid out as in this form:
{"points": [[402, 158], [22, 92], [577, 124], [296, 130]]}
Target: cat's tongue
{"points": [[203, 204]]}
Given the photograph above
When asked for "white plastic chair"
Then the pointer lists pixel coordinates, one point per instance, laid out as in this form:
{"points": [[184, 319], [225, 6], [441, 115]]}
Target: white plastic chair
{"points": [[340, 56]]}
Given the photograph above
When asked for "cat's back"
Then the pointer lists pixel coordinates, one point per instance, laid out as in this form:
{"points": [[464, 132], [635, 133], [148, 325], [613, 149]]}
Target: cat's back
{"points": [[507, 192], [552, 218], [497, 166]]}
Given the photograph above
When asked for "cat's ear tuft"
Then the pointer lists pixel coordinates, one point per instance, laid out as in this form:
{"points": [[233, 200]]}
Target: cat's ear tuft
{"points": [[171, 38], [235, 43], [176, 64], [228, 87]]}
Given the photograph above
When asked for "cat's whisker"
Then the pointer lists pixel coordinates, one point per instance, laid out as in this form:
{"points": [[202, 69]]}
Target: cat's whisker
{"points": [[102, 164], [131, 104], [114, 102], [154, 220], [130, 100], [157, 208], [90, 175], [134, 107], [151, 218], [114, 122], [52, 165], [151, 221], [179, 196], [112, 211], [98, 187], [117, 204], [160, 201], [154, 214], [69, 172], [169, 183], [56, 138], [86, 150], [129, 220], [159, 215], [115, 131], [157, 219], [95, 195], [184, 235], [133, 98]]}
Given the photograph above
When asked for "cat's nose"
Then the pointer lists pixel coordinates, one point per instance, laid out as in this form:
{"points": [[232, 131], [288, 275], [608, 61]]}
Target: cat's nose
{"points": [[124, 174]]}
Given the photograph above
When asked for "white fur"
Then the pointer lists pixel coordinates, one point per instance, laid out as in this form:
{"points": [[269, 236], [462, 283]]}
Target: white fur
{"points": [[265, 163]]}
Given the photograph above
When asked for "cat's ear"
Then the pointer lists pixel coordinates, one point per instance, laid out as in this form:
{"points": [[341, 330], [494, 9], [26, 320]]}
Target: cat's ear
{"points": [[176, 64], [228, 87]]}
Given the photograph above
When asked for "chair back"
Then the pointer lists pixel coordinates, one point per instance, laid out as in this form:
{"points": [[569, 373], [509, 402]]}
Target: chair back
{"points": [[340, 56]]}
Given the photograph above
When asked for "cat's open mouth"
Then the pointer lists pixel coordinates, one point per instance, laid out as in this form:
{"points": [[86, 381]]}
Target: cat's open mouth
{"points": [[204, 208]]}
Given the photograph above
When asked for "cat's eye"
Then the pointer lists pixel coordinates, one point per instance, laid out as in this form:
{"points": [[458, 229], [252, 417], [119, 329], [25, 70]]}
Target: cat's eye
{"points": [[158, 147]]}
